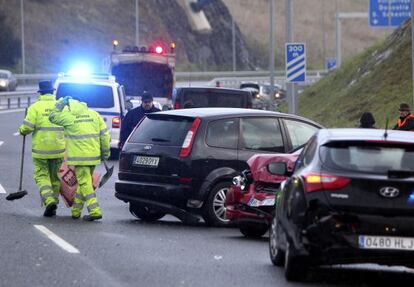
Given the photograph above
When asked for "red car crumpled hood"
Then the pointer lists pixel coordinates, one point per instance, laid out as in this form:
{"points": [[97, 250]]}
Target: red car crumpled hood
{"points": [[258, 166]]}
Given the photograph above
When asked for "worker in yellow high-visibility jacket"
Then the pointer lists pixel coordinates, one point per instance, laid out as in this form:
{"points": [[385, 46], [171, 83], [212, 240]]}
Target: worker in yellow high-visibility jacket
{"points": [[87, 143], [48, 146]]}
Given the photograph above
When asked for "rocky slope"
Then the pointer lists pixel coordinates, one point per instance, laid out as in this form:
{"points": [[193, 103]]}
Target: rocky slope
{"points": [[58, 32]]}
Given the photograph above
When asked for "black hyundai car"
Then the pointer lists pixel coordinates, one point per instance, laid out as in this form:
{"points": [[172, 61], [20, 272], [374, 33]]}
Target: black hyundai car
{"points": [[350, 199], [182, 162]]}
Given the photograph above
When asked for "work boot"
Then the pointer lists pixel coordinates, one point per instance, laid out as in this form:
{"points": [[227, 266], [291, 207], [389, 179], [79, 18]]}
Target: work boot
{"points": [[75, 217], [92, 217], [50, 210]]}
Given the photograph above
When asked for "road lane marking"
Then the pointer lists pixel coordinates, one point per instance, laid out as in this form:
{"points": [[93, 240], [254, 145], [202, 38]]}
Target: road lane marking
{"points": [[2, 190], [57, 240], [1, 143], [16, 134]]}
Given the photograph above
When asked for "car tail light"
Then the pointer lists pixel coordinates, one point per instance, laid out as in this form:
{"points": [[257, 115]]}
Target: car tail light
{"points": [[321, 181], [116, 122], [189, 139], [185, 180], [177, 106]]}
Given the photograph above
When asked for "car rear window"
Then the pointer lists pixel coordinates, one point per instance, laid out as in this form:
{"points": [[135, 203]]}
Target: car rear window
{"points": [[169, 131], [95, 96], [205, 98], [368, 156]]}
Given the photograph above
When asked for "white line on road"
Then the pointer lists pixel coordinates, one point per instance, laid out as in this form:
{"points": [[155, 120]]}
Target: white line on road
{"points": [[2, 190], [16, 134], [1, 143], [57, 240]]}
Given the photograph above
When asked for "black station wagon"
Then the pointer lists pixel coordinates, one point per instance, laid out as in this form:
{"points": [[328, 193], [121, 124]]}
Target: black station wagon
{"points": [[182, 162]]}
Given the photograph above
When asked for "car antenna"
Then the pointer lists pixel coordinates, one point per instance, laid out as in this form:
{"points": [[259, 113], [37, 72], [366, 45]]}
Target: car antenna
{"points": [[386, 128]]}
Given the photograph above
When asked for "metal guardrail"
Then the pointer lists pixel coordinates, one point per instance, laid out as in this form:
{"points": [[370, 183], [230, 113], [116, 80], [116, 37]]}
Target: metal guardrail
{"points": [[16, 100], [21, 99], [185, 76]]}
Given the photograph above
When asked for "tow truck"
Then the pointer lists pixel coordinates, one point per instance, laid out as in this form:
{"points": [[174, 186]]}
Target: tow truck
{"points": [[145, 68]]}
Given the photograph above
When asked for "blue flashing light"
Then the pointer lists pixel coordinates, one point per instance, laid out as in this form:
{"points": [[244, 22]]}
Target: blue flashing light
{"points": [[80, 70], [411, 197]]}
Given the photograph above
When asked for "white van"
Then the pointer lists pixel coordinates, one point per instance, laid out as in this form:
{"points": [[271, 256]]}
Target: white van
{"points": [[101, 93]]}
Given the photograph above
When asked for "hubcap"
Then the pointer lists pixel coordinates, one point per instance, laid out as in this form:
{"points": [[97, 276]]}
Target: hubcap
{"points": [[273, 237], [219, 204]]}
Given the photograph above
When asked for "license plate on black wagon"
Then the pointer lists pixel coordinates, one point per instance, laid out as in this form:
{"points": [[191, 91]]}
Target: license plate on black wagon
{"points": [[149, 161]]}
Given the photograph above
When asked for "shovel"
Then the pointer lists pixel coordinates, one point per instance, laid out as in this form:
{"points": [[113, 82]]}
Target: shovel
{"points": [[19, 194], [107, 175]]}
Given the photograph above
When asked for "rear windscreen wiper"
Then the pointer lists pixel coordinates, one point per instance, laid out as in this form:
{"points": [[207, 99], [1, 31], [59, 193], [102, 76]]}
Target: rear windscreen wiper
{"points": [[159, 140], [400, 173]]}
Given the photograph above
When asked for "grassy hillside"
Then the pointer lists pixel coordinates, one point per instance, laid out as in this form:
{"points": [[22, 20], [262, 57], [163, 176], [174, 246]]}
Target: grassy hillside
{"points": [[376, 80]]}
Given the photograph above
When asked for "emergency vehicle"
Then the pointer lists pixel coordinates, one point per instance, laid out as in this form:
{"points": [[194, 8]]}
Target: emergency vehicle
{"points": [[101, 93], [140, 69]]}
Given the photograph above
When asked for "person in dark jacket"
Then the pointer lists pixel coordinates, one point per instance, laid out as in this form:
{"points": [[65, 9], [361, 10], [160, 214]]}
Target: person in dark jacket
{"points": [[406, 120], [367, 121], [133, 117]]}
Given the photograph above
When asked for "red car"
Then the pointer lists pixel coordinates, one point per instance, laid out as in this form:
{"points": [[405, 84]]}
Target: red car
{"points": [[250, 201]]}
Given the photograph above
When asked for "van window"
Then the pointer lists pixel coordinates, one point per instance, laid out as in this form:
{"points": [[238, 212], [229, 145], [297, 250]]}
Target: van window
{"points": [[261, 134], [95, 96], [222, 133], [169, 131], [157, 79], [214, 98]]}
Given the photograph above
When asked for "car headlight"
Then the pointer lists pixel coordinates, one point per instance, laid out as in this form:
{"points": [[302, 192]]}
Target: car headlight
{"points": [[3, 83], [240, 181]]}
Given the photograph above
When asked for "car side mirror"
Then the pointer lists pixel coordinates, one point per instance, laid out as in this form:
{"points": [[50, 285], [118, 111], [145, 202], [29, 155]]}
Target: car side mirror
{"points": [[278, 168]]}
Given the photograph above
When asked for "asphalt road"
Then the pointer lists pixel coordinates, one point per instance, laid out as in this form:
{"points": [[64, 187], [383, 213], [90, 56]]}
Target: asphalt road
{"points": [[123, 251]]}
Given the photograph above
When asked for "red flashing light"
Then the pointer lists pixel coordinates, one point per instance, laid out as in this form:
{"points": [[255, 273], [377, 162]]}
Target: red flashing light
{"points": [[159, 50]]}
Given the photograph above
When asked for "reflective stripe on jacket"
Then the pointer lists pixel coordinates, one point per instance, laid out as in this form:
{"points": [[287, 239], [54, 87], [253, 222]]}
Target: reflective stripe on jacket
{"points": [[87, 138], [48, 140], [401, 124]]}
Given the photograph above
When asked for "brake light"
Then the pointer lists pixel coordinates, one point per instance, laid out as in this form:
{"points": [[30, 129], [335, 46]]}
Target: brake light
{"points": [[185, 180], [189, 139], [177, 106], [323, 181], [116, 122]]}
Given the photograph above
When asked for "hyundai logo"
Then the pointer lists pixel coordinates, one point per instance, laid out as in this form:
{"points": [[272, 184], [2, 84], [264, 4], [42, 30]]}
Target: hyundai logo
{"points": [[147, 147], [389, 192]]}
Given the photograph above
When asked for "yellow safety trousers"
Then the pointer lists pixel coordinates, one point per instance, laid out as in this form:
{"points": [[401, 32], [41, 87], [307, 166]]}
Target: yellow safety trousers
{"points": [[47, 180], [85, 192]]}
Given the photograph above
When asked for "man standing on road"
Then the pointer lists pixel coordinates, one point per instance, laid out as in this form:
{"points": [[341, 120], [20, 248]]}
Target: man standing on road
{"points": [[406, 120], [134, 116], [48, 146], [87, 143]]}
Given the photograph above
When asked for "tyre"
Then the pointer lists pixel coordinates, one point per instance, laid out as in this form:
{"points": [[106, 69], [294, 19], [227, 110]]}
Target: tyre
{"points": [[253, 231], [214, 210], [295, 266], [145, 213], [277, 255]]}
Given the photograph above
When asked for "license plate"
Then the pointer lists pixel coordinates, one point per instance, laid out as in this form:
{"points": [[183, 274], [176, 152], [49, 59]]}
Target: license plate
{"points": [[150, 161], [265, 202], [386, 242]]}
